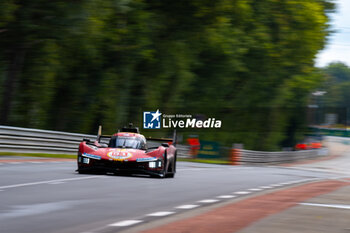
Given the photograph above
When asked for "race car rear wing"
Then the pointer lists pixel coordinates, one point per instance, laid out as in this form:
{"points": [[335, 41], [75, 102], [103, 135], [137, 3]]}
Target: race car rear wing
{"points": [[100, 136], [172, 140], [167, 140]]}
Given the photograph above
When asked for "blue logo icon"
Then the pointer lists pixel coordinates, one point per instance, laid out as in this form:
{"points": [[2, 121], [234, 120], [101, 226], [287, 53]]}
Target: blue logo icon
{"points": [[151, 120]]}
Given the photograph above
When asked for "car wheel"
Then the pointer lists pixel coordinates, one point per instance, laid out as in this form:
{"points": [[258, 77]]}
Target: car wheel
{"points": [[82, 171], [171, 174]]}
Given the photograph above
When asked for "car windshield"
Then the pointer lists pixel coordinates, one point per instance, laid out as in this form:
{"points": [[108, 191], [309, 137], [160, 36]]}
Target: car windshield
{"points": [[126, 142]]}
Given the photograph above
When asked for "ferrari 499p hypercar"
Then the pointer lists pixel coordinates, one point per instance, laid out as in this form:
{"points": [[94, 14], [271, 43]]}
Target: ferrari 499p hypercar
{"points": [[127, 152]]}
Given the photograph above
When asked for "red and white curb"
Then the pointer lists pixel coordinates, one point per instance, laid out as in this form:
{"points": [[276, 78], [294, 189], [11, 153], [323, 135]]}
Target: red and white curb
{"points": [[130, 222]]}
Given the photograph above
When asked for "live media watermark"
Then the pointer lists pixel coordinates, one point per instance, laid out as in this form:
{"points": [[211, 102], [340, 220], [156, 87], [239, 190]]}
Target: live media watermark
{"points": [[157, 120]]}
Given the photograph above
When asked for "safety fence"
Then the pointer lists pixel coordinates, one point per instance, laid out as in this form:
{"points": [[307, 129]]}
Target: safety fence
{"points": [[240, 156], [336, 139], [26, 140]]}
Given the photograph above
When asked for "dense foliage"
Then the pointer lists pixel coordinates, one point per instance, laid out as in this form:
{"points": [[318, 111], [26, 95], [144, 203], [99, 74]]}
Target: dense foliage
{"points": [[71, 65], [336, 86]]}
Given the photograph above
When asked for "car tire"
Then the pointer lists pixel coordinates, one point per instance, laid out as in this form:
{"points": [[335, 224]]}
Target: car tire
{"points": [[82, 172], [171, 174], [173, 171]]}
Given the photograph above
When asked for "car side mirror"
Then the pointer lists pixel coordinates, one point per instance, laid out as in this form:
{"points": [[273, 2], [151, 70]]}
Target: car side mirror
{"points": [[165, 144]]}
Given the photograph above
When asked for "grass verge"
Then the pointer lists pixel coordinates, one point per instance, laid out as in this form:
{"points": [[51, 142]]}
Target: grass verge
{"points": [[211, 161]]}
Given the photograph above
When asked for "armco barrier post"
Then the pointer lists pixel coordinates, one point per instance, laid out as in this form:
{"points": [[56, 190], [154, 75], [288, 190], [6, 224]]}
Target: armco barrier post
{"points": [[235, 155]]}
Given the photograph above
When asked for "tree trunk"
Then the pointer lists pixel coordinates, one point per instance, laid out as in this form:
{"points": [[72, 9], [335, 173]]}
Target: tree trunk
{"points": [[9, 86]]}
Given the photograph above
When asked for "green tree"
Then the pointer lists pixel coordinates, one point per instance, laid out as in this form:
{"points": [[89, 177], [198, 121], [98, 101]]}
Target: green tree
{"points": [[336, 84], [74, 65]]}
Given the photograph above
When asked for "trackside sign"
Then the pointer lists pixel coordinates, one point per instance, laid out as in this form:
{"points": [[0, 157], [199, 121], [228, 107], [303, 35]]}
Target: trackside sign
{"points": [[157, 120]]}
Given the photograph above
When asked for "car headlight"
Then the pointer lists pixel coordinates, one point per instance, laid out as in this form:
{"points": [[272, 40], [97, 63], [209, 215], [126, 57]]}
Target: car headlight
{"points": [[155, 164], [86, 160]]}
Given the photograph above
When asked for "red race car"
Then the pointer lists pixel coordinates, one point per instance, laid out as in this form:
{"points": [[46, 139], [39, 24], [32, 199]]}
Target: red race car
{"points": [[127, 152]]}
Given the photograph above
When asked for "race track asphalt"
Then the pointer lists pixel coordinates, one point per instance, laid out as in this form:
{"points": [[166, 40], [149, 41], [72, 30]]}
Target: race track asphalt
{"points": [[50, 197]]}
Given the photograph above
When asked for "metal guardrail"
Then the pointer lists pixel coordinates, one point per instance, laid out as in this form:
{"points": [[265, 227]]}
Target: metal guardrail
{"points": [[27, 140], [262, 157], [342, 140], [183, 151]]}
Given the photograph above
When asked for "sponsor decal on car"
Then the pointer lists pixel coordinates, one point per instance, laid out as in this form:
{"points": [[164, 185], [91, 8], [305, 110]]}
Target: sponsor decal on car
{"points": [[91, 156], [146, 159], [119, 155]]}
